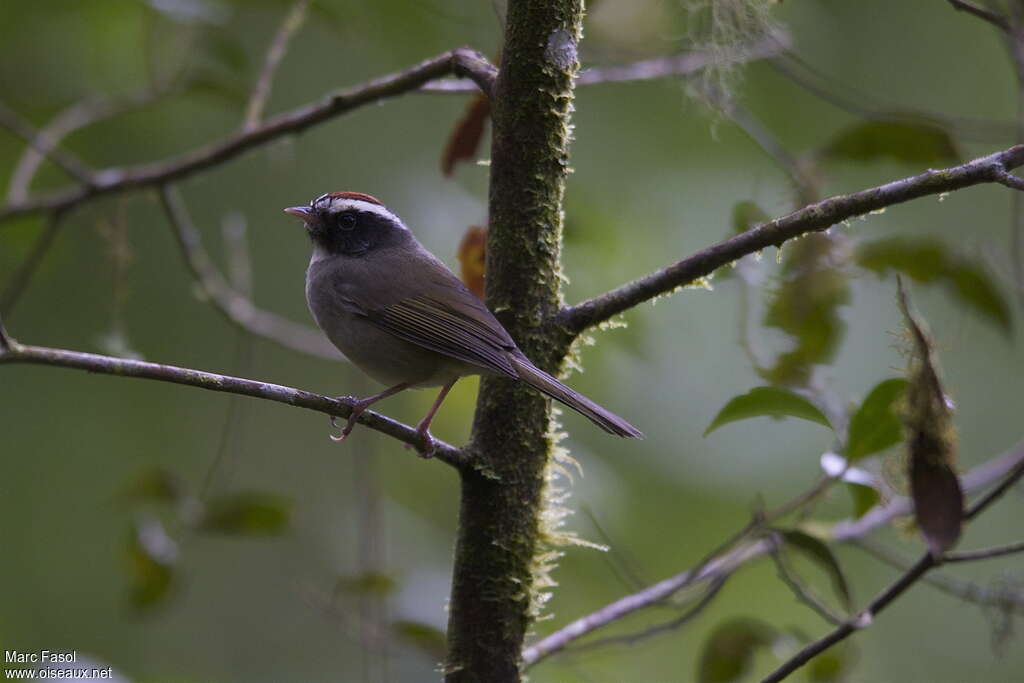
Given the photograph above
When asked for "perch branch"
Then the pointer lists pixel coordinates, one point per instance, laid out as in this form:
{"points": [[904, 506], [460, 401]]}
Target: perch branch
{"points": [[236, 307], [13, 352], [986, 553], [813, 218], [459, 62]]}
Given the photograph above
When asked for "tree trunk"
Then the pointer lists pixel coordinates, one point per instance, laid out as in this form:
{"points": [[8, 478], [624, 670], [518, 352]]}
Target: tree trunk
{"points": [[493, 588]]}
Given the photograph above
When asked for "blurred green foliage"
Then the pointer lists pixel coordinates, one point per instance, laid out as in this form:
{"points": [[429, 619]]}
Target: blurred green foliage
{"points": [[656, 178]]}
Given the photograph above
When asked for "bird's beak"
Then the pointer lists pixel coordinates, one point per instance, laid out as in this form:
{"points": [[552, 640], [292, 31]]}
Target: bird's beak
{"points": [[303, 213]]}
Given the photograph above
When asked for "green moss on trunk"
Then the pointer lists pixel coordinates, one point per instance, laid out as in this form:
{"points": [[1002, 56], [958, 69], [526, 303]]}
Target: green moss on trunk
{"points": [[492, 587]]}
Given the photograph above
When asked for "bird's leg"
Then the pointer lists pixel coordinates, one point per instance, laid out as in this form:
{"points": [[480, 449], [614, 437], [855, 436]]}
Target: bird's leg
{"points": [[359, 406], [423, 428]]}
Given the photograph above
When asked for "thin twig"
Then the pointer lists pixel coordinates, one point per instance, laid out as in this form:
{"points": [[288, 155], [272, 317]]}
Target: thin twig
{"points": [[18, 282], [673, 624], [122, 367], [39, 141], [802, 592], [813, 218], [986, 553], [292, 22], [728, 562], [236, 307], [983, 13], [460, 62], [957, 588], [6, 343], [74, 118], [886, 597]]}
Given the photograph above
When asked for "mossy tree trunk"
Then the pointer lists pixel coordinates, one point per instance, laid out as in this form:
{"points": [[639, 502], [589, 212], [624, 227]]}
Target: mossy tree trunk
{"points": [[499, 527]]}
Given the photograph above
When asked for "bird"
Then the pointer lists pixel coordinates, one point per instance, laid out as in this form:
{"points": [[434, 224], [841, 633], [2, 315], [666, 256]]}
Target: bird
{"points": [[402, 317]]}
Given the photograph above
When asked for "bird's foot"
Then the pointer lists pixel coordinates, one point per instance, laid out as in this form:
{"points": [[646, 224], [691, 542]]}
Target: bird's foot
{"points": [[357, 407], [429, 446]]}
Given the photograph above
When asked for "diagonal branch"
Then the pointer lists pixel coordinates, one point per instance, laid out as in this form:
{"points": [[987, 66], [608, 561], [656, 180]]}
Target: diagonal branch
{"points": [[293, 21], [983, 13], [459, 62], [887, 596], [18, 282], [1006, 468], [993, 168], [236, 307], [13, 352], [43, 144]]}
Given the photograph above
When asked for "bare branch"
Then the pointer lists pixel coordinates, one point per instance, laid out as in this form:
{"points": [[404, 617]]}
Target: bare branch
{"points": [[18, 282], [986, 554], [38, 140], [983, 13], [673, 624], [729, 560], [39, 355], [649, 69], [460, 62], [802, 592], [236, 307], [74, 118], [5, 340], [957, 588], [886, 597], [813, 218], [293, 21]]}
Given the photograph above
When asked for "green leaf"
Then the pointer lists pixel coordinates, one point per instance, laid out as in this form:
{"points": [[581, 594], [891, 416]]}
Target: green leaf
{"points": [[729, 652], [876, 425], [806, 307], [864, 498], [929, 261], [917, 142], [249, 513], [747, 214], [818, 552], [368, 583], [423, 637], [151, 556], [767, 402]]}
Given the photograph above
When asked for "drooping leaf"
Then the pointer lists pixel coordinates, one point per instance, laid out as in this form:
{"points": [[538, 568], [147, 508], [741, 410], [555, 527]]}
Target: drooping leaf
{"points": [[464, 141], [249, 513], [931, 440], [806, 307], [729, 651], [818, 552], [368, 583], [424, 637], [767, 402], [152, 557], [864, 498], [473, 258], [876, 425], [747, 214], [912, 142], [929, 261]]}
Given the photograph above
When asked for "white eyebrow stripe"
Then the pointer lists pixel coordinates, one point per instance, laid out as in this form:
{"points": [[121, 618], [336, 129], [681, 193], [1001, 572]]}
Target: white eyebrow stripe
{"points": [[339, 204]]}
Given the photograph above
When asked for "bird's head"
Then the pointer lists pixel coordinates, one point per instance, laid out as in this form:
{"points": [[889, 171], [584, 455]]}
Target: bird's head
{"points": [[350, 224]]}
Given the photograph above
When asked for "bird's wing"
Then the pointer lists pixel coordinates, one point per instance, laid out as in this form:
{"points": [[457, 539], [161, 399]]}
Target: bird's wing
{"points": [[457, 329]]}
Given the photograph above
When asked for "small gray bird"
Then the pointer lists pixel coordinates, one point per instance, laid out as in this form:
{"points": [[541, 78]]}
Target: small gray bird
{"points": [[402, 317]]}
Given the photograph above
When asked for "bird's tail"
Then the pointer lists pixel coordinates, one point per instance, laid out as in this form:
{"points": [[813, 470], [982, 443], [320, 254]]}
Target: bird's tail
{"points": [[542, 381]]}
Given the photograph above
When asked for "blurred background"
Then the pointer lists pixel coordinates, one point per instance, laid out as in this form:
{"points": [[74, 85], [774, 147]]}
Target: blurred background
{"points": [[332, 561]]}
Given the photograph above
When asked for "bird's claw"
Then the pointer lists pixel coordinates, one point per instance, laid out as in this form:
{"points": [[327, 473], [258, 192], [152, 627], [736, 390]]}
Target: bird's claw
{"points": [[429, 445], [357, 410]]}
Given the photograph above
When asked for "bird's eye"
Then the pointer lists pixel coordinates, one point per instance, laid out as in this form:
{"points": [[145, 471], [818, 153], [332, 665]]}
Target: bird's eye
{"points": [[347, 221]]}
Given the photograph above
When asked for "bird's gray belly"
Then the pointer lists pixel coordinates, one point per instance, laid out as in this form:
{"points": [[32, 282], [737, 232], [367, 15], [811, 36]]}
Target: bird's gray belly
{"points": [[383, 356]]}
